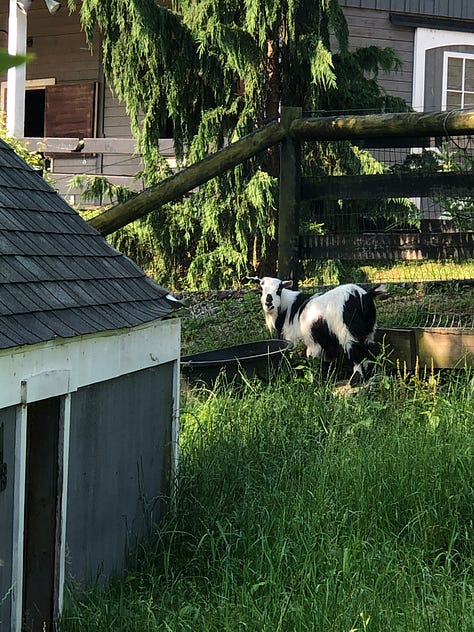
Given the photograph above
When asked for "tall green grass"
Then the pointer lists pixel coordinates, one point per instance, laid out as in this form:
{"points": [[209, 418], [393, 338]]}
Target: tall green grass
{"points": [[299, 509]]}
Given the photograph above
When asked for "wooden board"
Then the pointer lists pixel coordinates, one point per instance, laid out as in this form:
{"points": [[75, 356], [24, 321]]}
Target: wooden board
{"points": [[387, 185], [445, 347], [70, 110], [398, 345], [436, 347], [380, 246]]}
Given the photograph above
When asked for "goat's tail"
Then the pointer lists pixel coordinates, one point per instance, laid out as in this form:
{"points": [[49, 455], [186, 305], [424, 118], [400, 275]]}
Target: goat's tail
{"points": [[367, 299]]}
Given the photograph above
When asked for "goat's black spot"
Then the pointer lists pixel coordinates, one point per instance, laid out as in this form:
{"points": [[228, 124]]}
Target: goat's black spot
{"points": [[328, 341], [359, 315], [298, 306], [280, 289], [357, 352], [280, 321]]}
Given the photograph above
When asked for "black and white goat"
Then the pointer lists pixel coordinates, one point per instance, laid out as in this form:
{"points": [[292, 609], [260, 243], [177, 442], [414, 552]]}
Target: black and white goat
{"points": [[341, 319]]}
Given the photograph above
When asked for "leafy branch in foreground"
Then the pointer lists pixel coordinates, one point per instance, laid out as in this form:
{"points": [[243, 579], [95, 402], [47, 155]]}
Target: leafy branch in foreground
{"points": [[9, 61]]}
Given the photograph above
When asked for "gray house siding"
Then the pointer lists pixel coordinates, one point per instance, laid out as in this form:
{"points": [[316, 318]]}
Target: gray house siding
{"points": [[60, 52], [440, 8], [110, 425], [370, 24], [7, 429], [116, 124], [373, 28]]}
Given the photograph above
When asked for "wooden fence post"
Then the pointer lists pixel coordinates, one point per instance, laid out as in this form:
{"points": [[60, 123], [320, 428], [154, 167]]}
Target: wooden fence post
{"points": [[289, 199]]}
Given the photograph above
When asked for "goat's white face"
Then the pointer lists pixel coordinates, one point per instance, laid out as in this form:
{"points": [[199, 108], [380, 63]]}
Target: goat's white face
{"points": [[271, 290]]}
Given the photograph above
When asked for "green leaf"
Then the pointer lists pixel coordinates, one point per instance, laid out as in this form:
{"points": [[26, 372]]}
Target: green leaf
{"points": [[8, 61]]}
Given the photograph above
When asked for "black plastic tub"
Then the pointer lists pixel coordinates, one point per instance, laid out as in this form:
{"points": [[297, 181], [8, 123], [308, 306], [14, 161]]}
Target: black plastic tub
{"points": [[252, 359]]}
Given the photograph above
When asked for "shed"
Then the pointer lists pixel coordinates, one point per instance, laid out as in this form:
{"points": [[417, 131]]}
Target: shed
{"points": [[89, 397]]}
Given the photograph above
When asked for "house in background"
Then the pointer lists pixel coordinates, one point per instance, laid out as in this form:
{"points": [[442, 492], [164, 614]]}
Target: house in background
{"points": [[89, 396], [435, 41], [434, 38], [71, 114]]}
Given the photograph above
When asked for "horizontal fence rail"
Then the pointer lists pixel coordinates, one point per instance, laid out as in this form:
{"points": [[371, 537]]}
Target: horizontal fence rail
{"points": [[383, 246], [386, 185], [363, 127]]}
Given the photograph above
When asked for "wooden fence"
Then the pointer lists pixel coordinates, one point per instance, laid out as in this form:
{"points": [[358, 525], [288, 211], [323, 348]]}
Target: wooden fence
{"points": [[426, 346], [412, 128], [290, 132]]}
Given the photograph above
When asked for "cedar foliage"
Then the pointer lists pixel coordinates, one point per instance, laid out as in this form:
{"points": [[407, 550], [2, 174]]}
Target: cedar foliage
{"points": [[218, 70]]}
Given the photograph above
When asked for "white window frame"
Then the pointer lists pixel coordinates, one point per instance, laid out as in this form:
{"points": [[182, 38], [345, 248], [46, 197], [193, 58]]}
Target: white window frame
{"points": [[449, 55], [426, 39]]}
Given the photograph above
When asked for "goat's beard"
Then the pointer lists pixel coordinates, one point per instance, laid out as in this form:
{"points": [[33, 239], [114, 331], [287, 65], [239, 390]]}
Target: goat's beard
{"points": [[270, 319]]}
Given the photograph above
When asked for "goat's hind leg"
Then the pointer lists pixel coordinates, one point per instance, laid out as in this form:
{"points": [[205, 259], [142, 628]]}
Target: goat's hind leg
{"points": [[326, 366]]}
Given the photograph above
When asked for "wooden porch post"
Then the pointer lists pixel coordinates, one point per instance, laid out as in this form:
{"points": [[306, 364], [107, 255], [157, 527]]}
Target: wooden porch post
{"points": [[289, 200], [16, 77]]}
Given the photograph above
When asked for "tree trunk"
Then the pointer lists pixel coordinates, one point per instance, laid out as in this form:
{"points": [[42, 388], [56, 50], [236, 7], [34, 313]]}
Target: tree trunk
{"points": [[267, 264]]}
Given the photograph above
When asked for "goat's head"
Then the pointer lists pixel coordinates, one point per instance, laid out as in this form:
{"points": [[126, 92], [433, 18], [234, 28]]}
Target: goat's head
{"points": [[271, 290]]}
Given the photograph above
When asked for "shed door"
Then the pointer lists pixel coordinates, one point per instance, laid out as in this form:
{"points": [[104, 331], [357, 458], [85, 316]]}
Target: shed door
{"points": [[41, 502]]}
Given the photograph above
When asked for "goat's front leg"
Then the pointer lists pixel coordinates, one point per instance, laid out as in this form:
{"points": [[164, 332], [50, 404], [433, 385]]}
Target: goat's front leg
{"points": [[313, 350], [358, 355]]}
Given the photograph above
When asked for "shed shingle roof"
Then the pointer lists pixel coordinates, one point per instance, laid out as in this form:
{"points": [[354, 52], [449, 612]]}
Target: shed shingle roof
{"points": [[58, 276]]}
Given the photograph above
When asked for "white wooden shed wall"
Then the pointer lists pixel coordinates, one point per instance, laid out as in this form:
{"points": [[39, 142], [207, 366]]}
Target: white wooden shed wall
{"points": [[118, 396]]}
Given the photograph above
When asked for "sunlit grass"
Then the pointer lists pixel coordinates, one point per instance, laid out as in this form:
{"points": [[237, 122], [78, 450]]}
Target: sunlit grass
{"points": [[418, 271], [334, 272]]}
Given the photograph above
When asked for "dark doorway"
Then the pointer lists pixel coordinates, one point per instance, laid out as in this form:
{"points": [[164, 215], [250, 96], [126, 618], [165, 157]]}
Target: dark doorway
{"points": [[167, 131], [34, 112], [41, 503]]}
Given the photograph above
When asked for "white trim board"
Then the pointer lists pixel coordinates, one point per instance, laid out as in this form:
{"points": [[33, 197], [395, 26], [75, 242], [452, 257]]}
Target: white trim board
{"points": [[426, 39], [64, 440], [18, 519], [61, 366]]}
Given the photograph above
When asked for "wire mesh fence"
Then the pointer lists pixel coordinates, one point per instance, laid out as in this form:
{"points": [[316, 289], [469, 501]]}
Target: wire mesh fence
{"points": [[399, 212]]}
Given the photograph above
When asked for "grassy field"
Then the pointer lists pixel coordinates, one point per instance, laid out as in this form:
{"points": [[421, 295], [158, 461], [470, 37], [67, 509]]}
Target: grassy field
{"points": [[302, 509]]}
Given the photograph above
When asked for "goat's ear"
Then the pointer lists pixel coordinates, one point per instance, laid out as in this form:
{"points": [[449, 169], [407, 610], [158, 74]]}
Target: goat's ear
{"points": [[287, 284], [254, 279]]}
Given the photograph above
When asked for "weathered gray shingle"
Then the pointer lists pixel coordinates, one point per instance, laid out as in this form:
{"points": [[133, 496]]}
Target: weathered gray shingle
{"points": [[58, 276]]}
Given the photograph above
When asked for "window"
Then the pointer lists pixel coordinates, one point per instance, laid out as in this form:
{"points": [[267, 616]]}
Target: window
{"points": [[433, 49], [48, 110], [458, 81], [34, 112]]}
